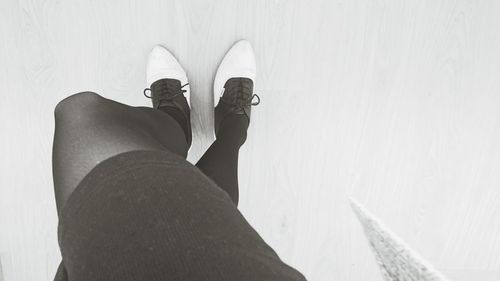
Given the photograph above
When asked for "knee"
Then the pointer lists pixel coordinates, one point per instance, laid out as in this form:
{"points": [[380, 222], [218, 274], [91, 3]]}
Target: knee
{"points": [[76, 102]]}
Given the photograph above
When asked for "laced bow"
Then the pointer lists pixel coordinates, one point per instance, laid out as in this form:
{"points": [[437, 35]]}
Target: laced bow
{"points": [[166, 93], [240, 100]]}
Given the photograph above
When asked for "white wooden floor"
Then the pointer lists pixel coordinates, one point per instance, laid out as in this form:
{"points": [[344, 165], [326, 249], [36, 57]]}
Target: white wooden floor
{"points": [[396, 103]]}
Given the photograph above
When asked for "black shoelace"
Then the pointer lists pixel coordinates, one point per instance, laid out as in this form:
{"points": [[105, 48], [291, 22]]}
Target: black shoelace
{"points": [[241, 101], [166, 93]]}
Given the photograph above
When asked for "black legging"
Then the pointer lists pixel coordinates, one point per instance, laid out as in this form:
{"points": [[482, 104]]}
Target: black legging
{"points": [[90, 129]]}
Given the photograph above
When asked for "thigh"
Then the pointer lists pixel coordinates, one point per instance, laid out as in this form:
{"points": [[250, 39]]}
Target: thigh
{"points": [[90, 129]]}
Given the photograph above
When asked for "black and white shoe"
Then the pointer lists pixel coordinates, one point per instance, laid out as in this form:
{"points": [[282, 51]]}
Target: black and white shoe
{"points": [[168, 85], [233, 84]]}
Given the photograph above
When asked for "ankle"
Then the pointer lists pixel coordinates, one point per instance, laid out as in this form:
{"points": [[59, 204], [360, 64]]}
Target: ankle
{"points": [[233, 130], [179, 117]]}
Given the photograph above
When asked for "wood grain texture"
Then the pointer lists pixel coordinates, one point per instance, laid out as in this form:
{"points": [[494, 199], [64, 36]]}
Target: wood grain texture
{"points": [[396, 103]]}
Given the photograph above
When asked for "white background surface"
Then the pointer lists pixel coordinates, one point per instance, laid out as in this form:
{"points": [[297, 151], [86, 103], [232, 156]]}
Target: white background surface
{"points": [[396, 103]]}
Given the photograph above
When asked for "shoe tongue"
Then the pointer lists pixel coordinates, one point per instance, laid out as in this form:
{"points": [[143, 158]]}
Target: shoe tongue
{"points": [[240, 87], [162, 88]]}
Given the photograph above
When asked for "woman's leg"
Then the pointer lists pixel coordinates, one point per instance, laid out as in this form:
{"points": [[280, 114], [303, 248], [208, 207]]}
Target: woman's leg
{"points": [[233, 99], [220, 161], [90, 129]]}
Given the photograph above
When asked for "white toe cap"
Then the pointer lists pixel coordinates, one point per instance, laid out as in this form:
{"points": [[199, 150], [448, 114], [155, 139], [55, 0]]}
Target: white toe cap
{"points": [[239, 61], [162, 64]]}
